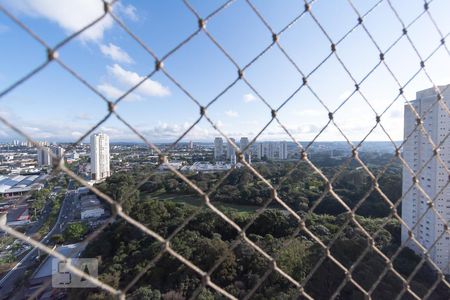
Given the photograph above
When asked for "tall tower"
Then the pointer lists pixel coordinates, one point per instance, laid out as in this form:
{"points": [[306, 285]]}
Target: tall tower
{"points": [[262, 150], [230, 149], [218, 148], [44, 157], [432, 178], [271, 150], [100, 156], [58, 151], [243, 143], [282, 150]]}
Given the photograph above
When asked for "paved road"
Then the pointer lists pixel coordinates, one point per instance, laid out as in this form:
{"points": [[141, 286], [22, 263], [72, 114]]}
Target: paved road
{"points": [[66, 214]]}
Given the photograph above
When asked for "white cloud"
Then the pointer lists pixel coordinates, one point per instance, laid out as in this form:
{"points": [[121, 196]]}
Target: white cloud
{"points": [[70, 15], [294, 130], [170, 132], [110, 91], [128, 11], [129, 79], [231, 113], [249, 98], [76, 134], [116, 53], [73, 15]]}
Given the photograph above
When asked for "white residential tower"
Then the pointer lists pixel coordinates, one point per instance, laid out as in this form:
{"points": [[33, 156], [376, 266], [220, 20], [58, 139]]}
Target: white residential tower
{"points": [[100, 156], [218, 148], [432, 178]]}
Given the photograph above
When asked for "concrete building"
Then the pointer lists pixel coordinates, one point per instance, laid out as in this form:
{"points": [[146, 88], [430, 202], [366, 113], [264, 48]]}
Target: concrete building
{"points": [[233, 159], [44, 157], [265, 150], [433, 178], [18, 185], [38, 284], [243, 143], [91, 207], [230, 149], [218, 148], [272, 150], [282, 150], [18, 216], [58, 151], [100, 156], [261, 150]]}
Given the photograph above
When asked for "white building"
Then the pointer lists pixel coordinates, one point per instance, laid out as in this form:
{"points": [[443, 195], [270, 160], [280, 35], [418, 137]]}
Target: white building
{"points": [[262, 150], [91, 207], [100, 156], [282, 150], [218, 148], [416, 152], [58, 151], [230, 149], [44, 157], [243, 143], [266, 150]]}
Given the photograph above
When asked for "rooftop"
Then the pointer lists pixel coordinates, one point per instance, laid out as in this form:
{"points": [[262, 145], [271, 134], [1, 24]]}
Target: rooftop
{"points": [[18, 182]]}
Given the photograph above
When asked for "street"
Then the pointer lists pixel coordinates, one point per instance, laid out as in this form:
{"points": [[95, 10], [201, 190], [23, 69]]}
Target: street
{"points": [[66, 214]]}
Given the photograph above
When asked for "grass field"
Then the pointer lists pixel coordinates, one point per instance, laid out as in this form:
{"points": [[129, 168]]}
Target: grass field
{"points": [[197, 201]]}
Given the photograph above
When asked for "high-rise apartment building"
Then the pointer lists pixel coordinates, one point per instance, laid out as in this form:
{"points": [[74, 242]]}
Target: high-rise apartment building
{"points": [[230, 149], [243, 143], [100, 156], [282, 150], [218, 148], [431, 176], [260, 150], [272, 150], [44, 157], [58, 151], [265, 150]]}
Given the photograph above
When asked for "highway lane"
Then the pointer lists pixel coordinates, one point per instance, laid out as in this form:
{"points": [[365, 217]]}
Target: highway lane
{"points": [[66, 214]]}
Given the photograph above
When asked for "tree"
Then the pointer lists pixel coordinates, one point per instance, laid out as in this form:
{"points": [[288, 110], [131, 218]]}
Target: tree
{"points": [[75, 232], [57, 239], [145, 293]]}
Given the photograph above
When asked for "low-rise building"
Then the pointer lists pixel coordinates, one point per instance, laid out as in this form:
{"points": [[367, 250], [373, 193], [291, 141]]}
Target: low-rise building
{"points": [[91, 207], [17, 185], [18, 216], [39, 280]]}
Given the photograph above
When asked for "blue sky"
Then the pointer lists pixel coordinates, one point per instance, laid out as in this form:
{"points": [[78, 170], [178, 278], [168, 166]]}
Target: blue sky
{"points": [[54, 106]]}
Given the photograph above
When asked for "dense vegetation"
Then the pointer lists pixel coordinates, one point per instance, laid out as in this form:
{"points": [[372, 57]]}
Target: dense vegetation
{"points": [[298, 186], [125, 251]]}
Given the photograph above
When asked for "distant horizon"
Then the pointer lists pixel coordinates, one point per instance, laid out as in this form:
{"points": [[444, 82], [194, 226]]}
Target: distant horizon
{"points": [[113, 141]]}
